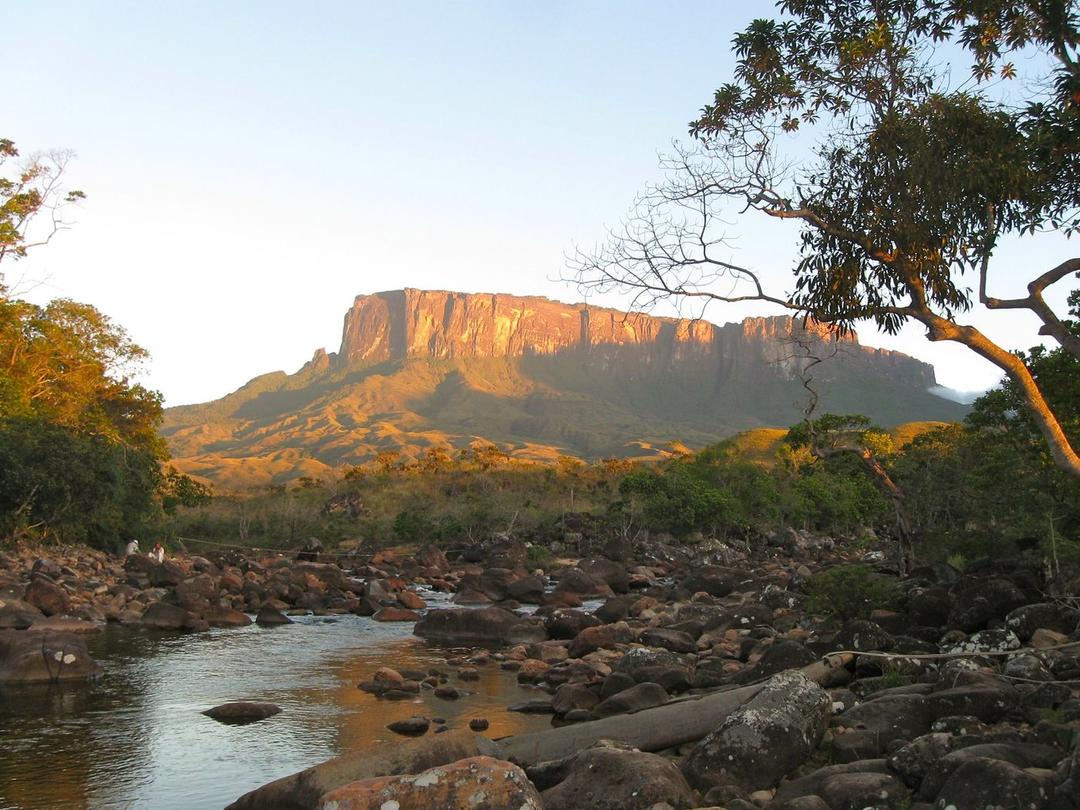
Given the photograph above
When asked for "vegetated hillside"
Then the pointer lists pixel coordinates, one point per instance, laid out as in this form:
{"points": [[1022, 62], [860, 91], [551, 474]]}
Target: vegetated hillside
{"points": [[418, 369]]}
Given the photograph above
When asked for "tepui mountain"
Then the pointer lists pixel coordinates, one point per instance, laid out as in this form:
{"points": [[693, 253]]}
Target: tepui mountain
{"points": [[418, 368]]}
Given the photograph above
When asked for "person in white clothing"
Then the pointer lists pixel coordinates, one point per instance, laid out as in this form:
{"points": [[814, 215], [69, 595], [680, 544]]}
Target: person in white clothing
{"points": [[157, 554], [132, 548]]}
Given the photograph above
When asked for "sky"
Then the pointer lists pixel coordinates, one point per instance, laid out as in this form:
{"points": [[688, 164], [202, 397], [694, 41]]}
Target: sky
{"points": [[250, 167]]}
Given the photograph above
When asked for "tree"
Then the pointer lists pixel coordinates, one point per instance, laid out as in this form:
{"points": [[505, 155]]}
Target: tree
{"points": [[910, 185], [33, 190]]}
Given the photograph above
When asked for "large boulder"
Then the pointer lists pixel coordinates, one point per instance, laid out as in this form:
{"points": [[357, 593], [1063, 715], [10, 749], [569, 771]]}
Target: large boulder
{"points": [[604, 636], [612, 574], [655, 665], [48, 597], [16, 614], [765, 738], [240, 712], [305, 789], [33, 656], [475, 782], [609, 778], [165, 616], [710, 579], [980, 601], [890, 718], [566, 622], [1024, 621], [1017, 755], [634, 699], [484, 625], [432, 558]]}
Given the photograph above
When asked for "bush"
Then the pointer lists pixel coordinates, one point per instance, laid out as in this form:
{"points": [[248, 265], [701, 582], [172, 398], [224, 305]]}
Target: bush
{"points": [[850, 592]]}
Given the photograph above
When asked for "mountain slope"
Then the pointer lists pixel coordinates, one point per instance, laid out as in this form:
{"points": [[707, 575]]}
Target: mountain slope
{"points": [[419, 368]]}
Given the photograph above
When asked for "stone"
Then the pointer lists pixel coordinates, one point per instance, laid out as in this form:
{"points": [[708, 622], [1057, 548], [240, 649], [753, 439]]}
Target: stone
{"points": [[978, 784], [1044, 638], [1025, 620], [891, 718], [567, 623], [609, 572], [989, 701], [15, 614], [572, 696], [603, 636], [674, 640], [224, 617], [396, 614], [660, 666], [610, 778], [48, 597], [981, 601], [914, 760], [164, 616], [477, 782], [479, 724], [271, 617], [32, 656], [709, 579], [1018, 755], [484, 625], [930, 607], [433, 558], [636, 698], [410, 727], [813, 783], [780, 656], [240, 712], [411, 600], [765, 738]]}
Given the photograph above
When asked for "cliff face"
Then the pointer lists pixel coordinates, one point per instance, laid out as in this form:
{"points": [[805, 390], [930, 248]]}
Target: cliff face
{"points": [[456, 326], [417, 369]]}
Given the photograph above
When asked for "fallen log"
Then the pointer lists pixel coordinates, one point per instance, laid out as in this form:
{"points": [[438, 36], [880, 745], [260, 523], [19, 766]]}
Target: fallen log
{"points": [[673, 723]]}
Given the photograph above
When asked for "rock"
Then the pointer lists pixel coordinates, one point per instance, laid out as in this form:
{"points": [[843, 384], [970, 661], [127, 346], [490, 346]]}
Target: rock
{"points": [[163, 616], [196, 592], [1025, 620], [710, 579], [574, 580], [782, 655], [484, 625], [915, 759], [31, 656], [471, 597], [1018, 755], [396, 614], [765, 738], [15, 614], [980, 601], [986, 641], [636, 698], [891, 718], [814, 783], [988, 701], [567, 623], [983, 783], [240, 712], [271, 617], [657, 666], [863, 636], [857, 791], [47, 596], [224, 617], [930, 607], [1043, 639], [609, 778], [446, 693], [572, 696], [433, 558], [611, 573], [58, 624], [411, 600], [529, 589], [674, 640], [479, 724], [603, 636], [410, 727], [475, 782], [615, 609], [304, 789]]}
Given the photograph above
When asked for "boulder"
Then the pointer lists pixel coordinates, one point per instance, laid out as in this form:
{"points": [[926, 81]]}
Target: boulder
{"points": [[410, 726], [529, 589], [396, 614], [710, 579], [225, 617], [1017, 755], [16, 614], [572, 696], [306, 788], [240, 712], [475, 782], [196, 592], [271, 617], [33, 656], [164, 616], [980, 601], [914, 760], [674, 640], [432, 557], [813, 783], [604, 636], [983, 783], [610, 778], [566, 623], [1025, 620], [891, 718], [611, 573], [654, 665], [634, 699], [48, 597], [765, 738], [930, 607], [484, 625], [778, 657]]}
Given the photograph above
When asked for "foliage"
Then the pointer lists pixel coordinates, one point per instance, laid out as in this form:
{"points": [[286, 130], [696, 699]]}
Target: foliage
{"points": [[850, 592], [911, 179], [679, 502]]}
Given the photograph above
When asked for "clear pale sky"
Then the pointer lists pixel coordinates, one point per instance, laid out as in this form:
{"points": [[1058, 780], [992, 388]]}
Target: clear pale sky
{"points": [[250, 167]]}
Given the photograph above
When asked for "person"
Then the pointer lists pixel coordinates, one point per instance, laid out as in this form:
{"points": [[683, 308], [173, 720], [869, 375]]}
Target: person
{"points": [[132, 548], [158, 553]]}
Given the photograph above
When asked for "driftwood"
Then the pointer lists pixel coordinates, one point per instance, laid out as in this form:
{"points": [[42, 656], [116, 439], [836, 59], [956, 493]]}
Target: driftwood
{"points": [[670, 724], [673, 723]]}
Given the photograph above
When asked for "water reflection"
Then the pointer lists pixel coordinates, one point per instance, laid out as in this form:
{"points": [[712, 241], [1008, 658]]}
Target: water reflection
{"points": [[137, 738]]}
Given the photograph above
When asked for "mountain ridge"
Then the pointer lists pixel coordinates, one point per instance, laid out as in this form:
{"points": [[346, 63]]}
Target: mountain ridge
{"points": [[417, 368]]}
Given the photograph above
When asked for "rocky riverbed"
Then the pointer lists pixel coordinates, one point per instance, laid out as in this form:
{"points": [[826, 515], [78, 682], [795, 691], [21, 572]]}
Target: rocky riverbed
{"points": [[697, 682]]}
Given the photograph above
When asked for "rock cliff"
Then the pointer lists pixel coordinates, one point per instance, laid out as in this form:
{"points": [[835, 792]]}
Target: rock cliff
{"points": [[419, 368]]}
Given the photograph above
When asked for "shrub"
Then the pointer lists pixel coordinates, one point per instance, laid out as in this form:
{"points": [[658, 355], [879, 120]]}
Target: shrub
{"points": [[850, 592]]}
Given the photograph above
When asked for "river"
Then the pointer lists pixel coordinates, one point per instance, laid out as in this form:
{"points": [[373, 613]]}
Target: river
{"points": [[136, 737]]}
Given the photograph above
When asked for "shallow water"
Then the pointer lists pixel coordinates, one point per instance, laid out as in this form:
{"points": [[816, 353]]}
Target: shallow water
{"points": [[136, 738]]}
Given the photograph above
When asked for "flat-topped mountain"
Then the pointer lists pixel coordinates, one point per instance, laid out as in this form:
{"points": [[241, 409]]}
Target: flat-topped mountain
{"points": [[418, 368]]}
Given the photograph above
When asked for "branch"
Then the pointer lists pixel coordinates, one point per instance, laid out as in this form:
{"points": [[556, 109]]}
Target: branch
{"points": [[1052, 324]]}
